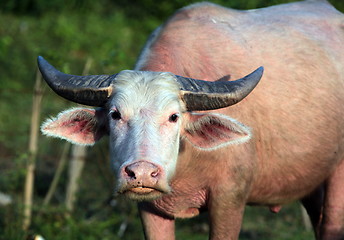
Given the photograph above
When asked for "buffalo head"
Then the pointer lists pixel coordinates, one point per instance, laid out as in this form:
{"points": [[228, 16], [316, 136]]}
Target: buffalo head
{"points": [[146, 114]]}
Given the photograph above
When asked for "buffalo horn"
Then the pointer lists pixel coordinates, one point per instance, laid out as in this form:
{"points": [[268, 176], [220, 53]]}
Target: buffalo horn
{"points": [[199, 95], [93, 90]]}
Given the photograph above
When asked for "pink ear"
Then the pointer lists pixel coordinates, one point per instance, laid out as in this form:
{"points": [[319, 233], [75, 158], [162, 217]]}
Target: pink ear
{"points": [[78, 125], [210, 131]]}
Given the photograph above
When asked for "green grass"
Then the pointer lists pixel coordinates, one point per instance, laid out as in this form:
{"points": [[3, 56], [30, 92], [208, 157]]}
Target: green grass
{"points": [[104, 223]]}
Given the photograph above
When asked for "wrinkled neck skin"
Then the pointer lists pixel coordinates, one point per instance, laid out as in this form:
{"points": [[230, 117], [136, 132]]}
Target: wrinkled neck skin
{"points": [[203, 175]]}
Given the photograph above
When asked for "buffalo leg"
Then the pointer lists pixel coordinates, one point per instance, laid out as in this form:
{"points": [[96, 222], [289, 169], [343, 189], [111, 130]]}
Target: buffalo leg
{"points": [[225, 219], [333, 220], [313, 203], [155, 226]]}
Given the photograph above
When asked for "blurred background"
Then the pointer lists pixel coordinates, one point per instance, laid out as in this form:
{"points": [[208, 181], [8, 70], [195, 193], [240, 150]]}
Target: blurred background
{"points": [[51, 188]]}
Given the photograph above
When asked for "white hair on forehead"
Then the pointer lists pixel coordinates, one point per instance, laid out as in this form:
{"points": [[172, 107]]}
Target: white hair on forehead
{"points": [[142, 88], [163, 79]]}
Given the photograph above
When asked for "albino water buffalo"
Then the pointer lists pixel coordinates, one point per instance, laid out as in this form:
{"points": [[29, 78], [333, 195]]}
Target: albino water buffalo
{"points": [[179, 149]]}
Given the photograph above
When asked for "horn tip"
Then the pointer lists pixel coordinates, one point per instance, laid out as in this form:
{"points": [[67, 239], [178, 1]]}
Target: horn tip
{"points": [[42, 63], [260, 69], [40, 60], [47, 70], [258, 72]]}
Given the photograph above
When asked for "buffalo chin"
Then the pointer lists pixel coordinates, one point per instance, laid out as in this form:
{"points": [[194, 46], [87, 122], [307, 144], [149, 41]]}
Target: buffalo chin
{"points": [[143, 194]]}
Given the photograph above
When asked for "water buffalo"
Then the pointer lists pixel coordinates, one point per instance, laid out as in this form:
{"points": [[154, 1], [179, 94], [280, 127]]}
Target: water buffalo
{"points": [[179, 149]]}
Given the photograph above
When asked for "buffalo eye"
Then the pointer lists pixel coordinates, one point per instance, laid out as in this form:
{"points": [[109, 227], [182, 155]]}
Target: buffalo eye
{"points": [[115, 115], [173, 118]]}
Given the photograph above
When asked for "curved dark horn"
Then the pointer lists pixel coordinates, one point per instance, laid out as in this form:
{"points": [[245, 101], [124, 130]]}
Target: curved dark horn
{"points": [[93, 90], [200, 95]]}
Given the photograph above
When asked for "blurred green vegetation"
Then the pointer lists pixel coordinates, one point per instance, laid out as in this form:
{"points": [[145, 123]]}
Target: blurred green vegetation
{"points": [[111, 34]]}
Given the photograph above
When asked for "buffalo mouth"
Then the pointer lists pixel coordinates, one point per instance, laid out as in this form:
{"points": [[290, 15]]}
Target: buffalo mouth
{"points": [[142, 190], [143, 193]]}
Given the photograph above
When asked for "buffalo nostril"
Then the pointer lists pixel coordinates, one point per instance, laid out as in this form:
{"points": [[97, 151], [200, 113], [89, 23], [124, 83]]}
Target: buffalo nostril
{"points": [[155, 173], [130, 173]]}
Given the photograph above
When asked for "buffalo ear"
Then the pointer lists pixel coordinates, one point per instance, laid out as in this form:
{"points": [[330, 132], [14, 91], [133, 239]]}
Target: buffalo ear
{"points": [[80, 126], [210, 131]]}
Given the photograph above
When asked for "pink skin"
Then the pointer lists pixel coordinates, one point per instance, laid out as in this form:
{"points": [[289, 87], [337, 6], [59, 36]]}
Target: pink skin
{"points": [[275, 209], [295, 113], [298, 141]]}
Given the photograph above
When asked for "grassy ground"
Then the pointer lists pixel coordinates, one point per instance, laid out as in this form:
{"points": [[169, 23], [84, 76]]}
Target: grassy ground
{"points": [[258, 224]]}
